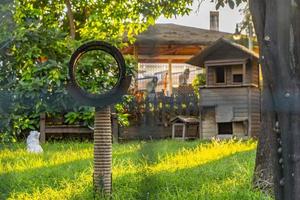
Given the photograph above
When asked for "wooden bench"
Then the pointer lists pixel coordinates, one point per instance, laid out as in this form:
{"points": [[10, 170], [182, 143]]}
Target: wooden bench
{"points": [[57, 127]]}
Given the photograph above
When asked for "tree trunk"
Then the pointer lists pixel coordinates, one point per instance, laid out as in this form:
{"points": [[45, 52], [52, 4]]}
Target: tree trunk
{"points": [[103, 151], [266, 156], [264, 173], [278, 31], [70, 18]]}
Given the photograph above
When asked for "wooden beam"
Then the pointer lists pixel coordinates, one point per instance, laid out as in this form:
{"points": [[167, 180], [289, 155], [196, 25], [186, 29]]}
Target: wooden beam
{"points": [[170, 77], [225, 62], [206, 75], [200, 133], [244, 73], [162, 57], [249, 113], [42, 128], [162, 61]]}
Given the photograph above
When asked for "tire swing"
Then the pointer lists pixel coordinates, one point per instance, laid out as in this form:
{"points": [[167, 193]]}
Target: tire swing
{"points": [[102, 99]]}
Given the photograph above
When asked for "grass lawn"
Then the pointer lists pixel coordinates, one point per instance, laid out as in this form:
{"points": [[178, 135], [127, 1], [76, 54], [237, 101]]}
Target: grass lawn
{"points": [[141, 170]]}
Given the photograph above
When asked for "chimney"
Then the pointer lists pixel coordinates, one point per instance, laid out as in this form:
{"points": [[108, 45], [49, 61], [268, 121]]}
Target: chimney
{"points": [[214, 20]]}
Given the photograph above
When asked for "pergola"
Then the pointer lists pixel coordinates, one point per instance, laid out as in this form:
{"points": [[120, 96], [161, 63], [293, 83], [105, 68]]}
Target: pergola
{"points": [[171, 43]]}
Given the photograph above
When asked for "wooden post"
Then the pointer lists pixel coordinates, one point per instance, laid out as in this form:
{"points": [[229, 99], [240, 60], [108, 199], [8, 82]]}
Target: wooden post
{"points": [[244, 73], [206, 75], [249, 131], [42, 128], [170, 77], [250, 42], [115, 126], [173, 131], [135, 52], [200, 125], [184, 131]]}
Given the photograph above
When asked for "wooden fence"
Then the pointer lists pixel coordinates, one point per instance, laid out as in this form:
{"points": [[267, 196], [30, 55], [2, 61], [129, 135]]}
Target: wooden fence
{"points": [[150, 117]]}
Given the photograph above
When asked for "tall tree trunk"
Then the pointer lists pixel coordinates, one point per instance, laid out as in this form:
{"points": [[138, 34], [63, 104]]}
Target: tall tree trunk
{"points": [[266, 156], [70, 18], [278, 31]]}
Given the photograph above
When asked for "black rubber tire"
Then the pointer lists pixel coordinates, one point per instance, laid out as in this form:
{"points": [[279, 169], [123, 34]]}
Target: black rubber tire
{"points": [[109, 97]]}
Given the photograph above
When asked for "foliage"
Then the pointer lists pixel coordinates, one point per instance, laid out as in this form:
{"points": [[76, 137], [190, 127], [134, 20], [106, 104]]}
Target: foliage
{"points": [[114, 18], [99, 79], [35, 50], [230, 3], [6, 20], [122, 108], [81, 114], [215, 170], [198, 81]]}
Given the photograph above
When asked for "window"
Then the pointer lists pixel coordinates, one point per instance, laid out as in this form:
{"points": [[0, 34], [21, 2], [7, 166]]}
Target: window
{"points": [[220, 75], [225, 128], [237, 78], [237, 74]]}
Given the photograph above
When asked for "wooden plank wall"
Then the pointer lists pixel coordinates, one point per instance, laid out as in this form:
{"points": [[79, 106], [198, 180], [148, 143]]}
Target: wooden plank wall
{"points": [[238, 129], [255, 72], [230, 96], [209, 126], [245, 102], [210, 76], [237, 98], [249, 73], [255, 103]]}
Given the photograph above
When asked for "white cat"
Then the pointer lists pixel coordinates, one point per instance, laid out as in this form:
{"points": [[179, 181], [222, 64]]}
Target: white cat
{"points": [[33, 144]]}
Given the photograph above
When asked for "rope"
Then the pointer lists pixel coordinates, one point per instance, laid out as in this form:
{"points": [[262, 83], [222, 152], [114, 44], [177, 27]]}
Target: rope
{"points": [[103, 151]]}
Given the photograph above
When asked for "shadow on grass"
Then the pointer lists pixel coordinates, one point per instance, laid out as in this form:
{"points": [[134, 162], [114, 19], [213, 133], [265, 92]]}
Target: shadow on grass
{"points": [[149, 155], [226, 178], [44, 177]]}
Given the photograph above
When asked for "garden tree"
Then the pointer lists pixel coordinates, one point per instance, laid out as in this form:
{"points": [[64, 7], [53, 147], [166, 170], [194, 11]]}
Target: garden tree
{"points": [[278, 31], [34, 61], [266, 157], [70, 19]]}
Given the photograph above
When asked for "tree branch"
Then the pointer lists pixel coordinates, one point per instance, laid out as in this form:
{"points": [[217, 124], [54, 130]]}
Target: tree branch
{"points": [[257, 9], [70, 18]]}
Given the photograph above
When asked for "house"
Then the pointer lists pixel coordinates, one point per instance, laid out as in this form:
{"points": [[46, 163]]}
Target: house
{"points": [[163, 49], [230, 100]]}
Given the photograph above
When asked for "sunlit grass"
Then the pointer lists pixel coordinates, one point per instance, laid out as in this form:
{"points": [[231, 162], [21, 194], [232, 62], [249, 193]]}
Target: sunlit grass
{"points": [[54, 156], [141, 170], [200, 155]]}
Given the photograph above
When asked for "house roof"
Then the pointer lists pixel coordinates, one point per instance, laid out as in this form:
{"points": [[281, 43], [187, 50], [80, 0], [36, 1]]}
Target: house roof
{"points": [[178, 34], [185, 119], [226, 48]]}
